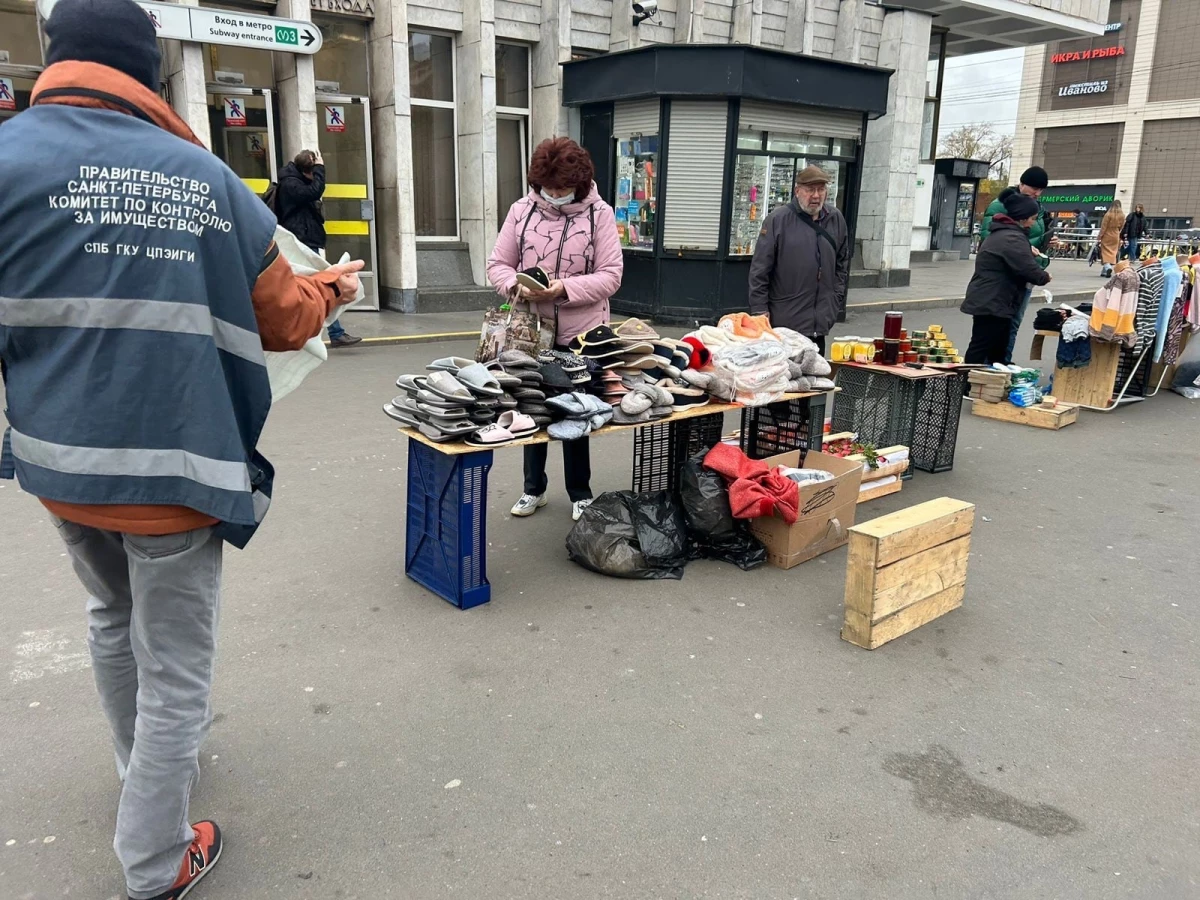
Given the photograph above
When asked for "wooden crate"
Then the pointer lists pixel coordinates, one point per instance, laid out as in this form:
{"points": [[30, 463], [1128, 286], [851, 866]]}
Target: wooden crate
{"points": [[1057, 417], [906, 569], [868, 490]]}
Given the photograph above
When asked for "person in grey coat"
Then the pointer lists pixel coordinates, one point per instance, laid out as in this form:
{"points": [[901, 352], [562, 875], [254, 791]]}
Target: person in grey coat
{"points": [[1004, 265], [801, 265]]}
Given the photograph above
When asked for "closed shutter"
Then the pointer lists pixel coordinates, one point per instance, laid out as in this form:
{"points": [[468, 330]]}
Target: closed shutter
{"points": [[757, 116], [635, 117], [695, 174]]}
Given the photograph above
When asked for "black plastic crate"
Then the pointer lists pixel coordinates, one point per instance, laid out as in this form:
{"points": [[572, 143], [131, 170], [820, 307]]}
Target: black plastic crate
{"points": [[782, 427], [879, 407], [660, 450], [935, 434], [1127, 363]]}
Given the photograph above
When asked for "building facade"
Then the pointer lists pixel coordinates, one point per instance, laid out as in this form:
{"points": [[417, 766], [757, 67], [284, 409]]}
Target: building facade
{"points": [[427, 111], [1118, 116]]}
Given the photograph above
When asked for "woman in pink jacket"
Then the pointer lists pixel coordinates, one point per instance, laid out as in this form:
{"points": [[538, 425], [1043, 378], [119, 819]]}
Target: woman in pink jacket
{"points": [[565, 228]]}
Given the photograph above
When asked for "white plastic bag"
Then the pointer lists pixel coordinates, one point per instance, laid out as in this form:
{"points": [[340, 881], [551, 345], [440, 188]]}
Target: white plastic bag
{"points": [[288, 369]]}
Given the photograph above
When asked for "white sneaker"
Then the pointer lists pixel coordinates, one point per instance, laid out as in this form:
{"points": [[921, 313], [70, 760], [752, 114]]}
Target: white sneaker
{"points": [[578, 507], [528, 505]]}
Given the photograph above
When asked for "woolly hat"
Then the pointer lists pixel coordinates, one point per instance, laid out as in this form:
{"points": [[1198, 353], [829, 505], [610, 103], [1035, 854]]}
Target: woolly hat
{"points": [[1035, 177], [1019, 207], [113, 33]]}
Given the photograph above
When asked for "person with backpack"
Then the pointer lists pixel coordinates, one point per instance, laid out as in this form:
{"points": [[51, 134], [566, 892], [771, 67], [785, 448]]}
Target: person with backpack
{"points": [[298, 207]]}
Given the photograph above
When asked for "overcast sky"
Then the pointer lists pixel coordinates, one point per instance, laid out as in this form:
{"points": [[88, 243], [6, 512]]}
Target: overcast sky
{"points": [[984, 87]]}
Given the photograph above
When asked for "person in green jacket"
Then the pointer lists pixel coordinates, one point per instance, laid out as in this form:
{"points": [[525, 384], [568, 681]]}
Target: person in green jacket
{"points": [[1041, 234]]}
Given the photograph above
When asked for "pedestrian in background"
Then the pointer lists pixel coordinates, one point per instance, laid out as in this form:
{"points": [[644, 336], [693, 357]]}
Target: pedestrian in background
{"points": [[1110, 238], [801, 266], [1133, 231], [1004, 266], [562, 227], [137, 391], [1041, 236], [298, 201]]}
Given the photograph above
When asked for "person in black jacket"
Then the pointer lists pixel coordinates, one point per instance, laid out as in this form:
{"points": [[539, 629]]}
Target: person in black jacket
{"points": [[298, 205], [1004, 265], [1133, 231]]}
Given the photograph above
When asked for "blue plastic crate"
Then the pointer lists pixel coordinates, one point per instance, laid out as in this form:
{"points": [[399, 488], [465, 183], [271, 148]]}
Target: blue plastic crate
{"points": [[446, 535]]}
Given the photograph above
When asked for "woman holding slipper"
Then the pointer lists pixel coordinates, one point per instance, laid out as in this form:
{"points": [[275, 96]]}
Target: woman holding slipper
{"points": [[559, 252]]}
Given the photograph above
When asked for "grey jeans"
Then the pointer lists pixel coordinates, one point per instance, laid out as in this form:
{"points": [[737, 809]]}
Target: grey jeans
{"points": [[152, 632]]}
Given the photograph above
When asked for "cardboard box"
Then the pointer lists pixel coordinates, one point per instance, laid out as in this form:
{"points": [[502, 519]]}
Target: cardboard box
{"points": [[826, 511]]}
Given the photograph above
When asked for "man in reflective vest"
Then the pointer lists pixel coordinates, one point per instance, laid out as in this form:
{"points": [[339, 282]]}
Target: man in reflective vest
{"points": [[139, 287]]}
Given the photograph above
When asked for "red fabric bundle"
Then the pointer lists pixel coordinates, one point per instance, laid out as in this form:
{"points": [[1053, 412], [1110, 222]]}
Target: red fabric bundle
{"points": [[755, 490]]}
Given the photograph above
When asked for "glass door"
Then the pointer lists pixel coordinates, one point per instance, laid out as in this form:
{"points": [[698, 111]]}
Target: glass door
{"points": [[349, 201], [512, 157], [242, 121]]}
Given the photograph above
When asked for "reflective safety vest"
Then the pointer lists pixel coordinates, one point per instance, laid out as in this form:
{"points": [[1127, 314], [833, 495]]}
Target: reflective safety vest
{"points": [[132, 361]]}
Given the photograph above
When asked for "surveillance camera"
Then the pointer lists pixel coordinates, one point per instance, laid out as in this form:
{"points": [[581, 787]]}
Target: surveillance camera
{"points": [[644, 10]]}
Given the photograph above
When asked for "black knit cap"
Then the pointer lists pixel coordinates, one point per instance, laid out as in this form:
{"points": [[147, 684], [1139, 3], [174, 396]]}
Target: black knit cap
{"points": [[1035, 177], [1020, 207], [113, 33]]}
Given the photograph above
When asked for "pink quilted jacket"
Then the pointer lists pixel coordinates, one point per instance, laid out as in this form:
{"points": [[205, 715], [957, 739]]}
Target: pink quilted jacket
{"points": [[561, 241]]}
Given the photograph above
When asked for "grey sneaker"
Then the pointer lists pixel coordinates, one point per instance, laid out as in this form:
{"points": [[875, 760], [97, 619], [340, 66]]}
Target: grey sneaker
{"points": [[528, 505], [578, 507]]}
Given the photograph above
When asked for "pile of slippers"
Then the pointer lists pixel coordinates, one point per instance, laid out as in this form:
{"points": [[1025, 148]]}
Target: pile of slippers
{"points": [[455, 400], [632, 358], [530, 389], [578, 415]]}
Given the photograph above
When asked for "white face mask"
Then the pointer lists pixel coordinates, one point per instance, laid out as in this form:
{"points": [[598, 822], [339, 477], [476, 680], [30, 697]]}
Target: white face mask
{"points": [[557, 201]]}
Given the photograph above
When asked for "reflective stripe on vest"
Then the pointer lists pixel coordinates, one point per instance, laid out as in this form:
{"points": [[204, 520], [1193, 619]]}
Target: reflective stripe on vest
{"points": [[138, 315], [221, 474]]}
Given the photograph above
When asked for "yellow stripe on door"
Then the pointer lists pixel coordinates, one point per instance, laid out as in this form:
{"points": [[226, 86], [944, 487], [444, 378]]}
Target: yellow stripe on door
{"points": [[347, 227], [345, 192], [258, 185]]}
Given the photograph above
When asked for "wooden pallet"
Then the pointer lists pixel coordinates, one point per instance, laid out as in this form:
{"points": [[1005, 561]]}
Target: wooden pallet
{"points": [[1056, 417], [906, 569]]}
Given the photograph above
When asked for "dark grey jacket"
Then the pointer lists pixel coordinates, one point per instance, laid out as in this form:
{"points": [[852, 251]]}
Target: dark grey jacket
{"points": [[796, 277], [1003, 266]]}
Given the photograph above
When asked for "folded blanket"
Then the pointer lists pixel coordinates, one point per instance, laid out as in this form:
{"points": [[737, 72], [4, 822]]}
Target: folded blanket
{"points": [[755, 490]]}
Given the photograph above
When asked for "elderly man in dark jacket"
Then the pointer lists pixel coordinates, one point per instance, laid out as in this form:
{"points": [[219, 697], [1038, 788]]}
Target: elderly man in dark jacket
{"points": [[801, 264], [1004, 264], [298, 202]]}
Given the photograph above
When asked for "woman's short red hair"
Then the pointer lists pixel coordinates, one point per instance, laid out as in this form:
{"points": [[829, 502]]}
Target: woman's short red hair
{"points": [[561, 163]]}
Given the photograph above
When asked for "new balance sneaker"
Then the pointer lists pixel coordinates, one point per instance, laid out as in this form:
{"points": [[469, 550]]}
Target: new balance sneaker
{"points": [[199, 860], [578, 507], [528, 505]]}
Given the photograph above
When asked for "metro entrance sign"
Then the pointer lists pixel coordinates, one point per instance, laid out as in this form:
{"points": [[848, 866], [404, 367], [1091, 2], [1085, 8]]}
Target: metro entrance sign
{"points": [[219, 26]]}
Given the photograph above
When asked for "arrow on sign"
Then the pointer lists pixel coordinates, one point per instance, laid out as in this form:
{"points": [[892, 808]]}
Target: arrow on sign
{"points": [[308, 38]]}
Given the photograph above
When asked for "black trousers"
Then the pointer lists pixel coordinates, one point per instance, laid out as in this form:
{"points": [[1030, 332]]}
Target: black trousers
{"points": [[989, 339], [819, 340], [577, 461]]}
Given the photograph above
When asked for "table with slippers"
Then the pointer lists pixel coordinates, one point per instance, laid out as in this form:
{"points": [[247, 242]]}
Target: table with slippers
{"points": [[610, 379]]}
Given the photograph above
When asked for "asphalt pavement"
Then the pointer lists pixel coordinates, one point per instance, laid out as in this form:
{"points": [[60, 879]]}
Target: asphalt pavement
{"points": [[583, 737]]}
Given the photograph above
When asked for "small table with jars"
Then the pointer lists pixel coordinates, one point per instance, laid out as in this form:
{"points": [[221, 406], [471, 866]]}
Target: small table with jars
{"points": [[905, 388]]}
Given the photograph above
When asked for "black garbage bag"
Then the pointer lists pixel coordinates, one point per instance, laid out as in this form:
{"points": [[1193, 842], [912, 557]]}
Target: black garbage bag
{"points": [[714, 532], [628, 535]]}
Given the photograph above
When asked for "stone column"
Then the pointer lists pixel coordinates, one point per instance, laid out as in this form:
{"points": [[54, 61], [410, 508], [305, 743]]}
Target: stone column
{"points": [[623, 35], [477, 195], [547, 113], [391, 128], [747, 22], [689, 22], [1135, 110], [185, 73], [889, 176], [296, 84], [847, 42], [798, 28]]}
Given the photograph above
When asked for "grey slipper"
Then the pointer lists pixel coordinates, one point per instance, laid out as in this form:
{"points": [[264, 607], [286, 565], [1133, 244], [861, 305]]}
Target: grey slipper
{"points": [[431, 399], [401, 415], [569, 430], [408, 383], [620, 417], [637, 402], [451, 364], [442, 413], [530, 394], [446, 386], [479, 380]]}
